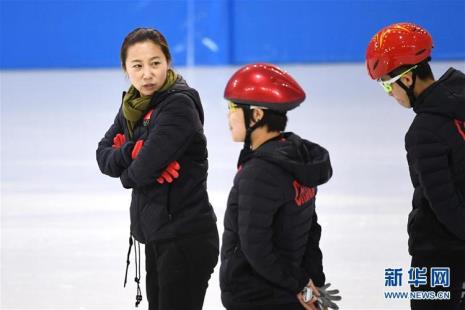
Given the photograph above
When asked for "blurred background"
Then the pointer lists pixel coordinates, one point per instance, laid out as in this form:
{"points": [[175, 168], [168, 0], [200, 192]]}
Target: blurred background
{"points": [[64, 225]]}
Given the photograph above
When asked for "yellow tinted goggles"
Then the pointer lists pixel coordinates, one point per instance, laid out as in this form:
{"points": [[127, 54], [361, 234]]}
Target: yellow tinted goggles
{"points": [[387, 85], [232, 107]]}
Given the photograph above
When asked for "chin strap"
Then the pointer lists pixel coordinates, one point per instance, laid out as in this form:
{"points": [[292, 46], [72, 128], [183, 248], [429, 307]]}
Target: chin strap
{"points": [[247, 151], [249, 129], [409, 90]]}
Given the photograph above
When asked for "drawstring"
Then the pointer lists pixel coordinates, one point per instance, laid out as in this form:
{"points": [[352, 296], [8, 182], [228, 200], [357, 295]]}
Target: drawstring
{"points": [[137, 262]]}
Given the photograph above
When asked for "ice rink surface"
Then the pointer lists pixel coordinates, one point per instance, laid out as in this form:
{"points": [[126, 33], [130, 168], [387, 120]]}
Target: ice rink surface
{"points": [[64, 225]]}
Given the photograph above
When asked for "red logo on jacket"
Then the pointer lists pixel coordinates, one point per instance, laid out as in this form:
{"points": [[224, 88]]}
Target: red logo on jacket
{"points": [[460, 127], [147, 117], [303, 193]]}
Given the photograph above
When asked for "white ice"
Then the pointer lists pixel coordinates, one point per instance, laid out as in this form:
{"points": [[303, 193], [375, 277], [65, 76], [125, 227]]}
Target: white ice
{"points": [[64, 225]]}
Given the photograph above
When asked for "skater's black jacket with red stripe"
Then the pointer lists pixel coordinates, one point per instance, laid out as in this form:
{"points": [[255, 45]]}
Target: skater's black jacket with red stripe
{"points": [[174, 132], [271, 235], [435, 146]]}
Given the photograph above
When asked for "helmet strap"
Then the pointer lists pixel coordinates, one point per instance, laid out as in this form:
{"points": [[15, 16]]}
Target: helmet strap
{"points": [[409, 90], [249, 129], [247, 151]]}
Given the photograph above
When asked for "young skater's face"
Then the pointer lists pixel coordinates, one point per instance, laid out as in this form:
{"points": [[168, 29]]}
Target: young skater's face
{"points": [[147, 67], [236, 124], [399, 93]]}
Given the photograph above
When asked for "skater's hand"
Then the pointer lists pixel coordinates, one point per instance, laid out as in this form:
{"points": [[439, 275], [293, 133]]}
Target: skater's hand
{"points": [[137, 148], [315, 290], [170, 173], [118, 141], [327, 297], [311, 304]]}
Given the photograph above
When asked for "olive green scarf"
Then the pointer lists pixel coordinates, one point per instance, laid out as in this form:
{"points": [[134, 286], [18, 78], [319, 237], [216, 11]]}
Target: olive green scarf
{"points": [[135, 106]]}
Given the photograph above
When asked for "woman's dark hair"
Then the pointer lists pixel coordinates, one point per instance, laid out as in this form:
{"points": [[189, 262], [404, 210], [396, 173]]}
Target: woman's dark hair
{"points": [[275, 121], [141, 35], [423, 70]]}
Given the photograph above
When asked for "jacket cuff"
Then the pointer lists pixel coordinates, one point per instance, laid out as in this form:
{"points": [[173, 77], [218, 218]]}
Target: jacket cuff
{"points": [[318, 280], [126, 150], [302, 281], [126, 180]]}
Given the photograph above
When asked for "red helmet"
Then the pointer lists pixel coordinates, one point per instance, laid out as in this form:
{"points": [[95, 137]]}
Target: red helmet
{"points": [[396, 45], [264, 85]]}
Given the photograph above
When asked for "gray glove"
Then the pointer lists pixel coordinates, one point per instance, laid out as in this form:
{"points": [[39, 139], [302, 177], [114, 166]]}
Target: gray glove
{"points": [[326, 298]]}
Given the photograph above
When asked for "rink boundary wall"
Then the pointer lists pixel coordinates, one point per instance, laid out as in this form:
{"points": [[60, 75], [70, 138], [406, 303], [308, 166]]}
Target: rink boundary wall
{"points": [[88, 34]]}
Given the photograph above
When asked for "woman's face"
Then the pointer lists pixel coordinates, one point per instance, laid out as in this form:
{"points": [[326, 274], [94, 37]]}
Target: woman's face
{"points": [[147, 67], [237, 125]]}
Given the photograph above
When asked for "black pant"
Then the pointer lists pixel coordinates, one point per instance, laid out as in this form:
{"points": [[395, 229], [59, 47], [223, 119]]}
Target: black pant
{"points": [[178, 271], [456, 263]]}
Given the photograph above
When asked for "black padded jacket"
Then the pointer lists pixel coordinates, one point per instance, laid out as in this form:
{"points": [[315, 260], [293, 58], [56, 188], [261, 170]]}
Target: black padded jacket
{"points": [[173, 132], [271, 234], [435, 146]]}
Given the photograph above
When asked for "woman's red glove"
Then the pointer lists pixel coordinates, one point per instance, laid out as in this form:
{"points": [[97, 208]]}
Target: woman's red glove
{"points": [[118, 141], [170, 173], [137, 148]]}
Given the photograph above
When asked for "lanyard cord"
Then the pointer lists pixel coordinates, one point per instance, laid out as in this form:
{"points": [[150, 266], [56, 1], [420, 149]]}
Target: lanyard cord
{"points": [[128, 260], [137, 277], [137, 262]]}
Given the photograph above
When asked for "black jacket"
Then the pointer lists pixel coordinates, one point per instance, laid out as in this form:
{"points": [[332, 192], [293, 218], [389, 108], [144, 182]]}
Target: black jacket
{"points": [[271, 235], [174, 132], [435, 146]]}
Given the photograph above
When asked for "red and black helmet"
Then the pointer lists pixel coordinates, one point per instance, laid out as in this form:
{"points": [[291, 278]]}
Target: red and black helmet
{"points": [[264, 85], [397, 45]]}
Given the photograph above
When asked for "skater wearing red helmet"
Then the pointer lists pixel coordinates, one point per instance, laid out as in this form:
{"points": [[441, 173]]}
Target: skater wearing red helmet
{"points": [[270, 255], [397, 57]]}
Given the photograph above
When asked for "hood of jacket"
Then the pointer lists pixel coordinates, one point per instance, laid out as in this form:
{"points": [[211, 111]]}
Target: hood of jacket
{"points": [[306, 161], [180, 86], [445, 97]]}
